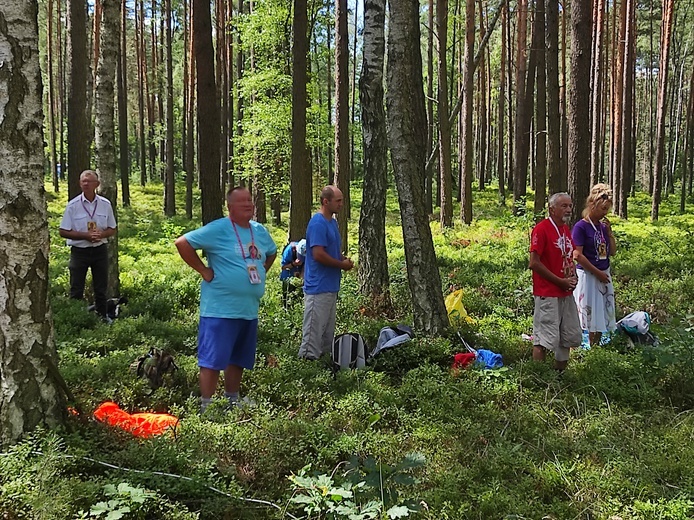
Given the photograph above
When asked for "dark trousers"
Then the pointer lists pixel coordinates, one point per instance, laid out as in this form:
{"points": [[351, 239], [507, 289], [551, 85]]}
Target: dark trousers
{"points": [[96, 258]]}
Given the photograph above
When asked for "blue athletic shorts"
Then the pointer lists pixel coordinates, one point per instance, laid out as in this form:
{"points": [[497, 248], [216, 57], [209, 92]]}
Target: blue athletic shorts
{"points": [[226, 341]]}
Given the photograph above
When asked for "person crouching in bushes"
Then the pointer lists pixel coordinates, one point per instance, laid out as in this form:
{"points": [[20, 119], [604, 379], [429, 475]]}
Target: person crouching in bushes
{"points": [[594, 244], [293, 258]]}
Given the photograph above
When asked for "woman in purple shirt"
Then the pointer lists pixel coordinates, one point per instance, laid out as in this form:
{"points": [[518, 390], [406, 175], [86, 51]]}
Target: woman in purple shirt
{"points": [[594, 244]]}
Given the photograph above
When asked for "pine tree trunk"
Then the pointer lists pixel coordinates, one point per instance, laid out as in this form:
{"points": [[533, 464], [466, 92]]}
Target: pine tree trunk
{"points": [[142, 140], [500, 171], [373, 258], [407, 141], [597, 144], [579, 106], [627, 138], [190, 122], [553, 118], [29, 394], [104, 128], [78, 124], [301, 181], [208, 113], [483, 153], [431, 122], [468, 86], [121, 75], [51, 96], [541, 114], [665, 33], [520, 164], [342, 173], [169, 178], [445, 180]]}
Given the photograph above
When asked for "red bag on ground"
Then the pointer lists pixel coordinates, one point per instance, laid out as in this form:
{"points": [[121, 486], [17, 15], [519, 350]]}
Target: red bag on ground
{"points": [[139, 424], [463, 360]]}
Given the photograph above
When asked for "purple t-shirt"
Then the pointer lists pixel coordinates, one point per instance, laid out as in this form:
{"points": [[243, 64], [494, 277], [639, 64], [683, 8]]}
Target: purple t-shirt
{"points": [[596, 246]]}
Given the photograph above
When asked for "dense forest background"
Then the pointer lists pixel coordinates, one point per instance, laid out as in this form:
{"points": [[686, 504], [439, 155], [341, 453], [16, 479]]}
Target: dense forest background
{"points": [[498, 79]]}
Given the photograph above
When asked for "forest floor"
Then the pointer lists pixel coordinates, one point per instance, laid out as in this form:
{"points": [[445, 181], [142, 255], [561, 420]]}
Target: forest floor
{"points": [[612, 438]]}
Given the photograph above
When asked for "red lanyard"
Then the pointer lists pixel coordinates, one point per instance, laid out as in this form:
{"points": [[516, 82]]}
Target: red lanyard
{"points": [[250, 227], [96, 203]]}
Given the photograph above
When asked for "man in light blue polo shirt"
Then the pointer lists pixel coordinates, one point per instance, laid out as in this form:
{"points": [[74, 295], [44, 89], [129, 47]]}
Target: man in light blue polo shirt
{"points": [[322, 273], [239, 253]]}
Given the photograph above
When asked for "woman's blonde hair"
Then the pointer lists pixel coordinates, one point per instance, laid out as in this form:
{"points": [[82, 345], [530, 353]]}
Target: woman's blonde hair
{"points": [[599, 192]]}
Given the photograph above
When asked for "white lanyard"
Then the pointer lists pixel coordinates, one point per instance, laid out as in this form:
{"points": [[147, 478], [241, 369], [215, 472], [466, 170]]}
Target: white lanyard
{"points": [[562, 243]]}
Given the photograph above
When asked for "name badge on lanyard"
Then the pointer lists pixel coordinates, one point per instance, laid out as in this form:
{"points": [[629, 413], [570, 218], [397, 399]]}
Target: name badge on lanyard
{"points": [[253, 274], [254, 255]]}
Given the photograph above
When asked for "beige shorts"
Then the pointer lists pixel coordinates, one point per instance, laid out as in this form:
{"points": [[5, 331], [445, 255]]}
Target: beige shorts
{"points": [[556, 326]]}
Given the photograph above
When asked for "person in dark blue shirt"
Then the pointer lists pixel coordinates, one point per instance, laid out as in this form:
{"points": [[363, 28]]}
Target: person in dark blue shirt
{"points": [[322, 273]]}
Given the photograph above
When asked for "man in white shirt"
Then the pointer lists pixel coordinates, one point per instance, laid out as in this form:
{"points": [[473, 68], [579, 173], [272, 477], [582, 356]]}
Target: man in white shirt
{"points": [[87, 223]]}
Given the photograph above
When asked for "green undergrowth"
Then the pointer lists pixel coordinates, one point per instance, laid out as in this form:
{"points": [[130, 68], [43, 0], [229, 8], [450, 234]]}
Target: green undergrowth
{"points": [[610, 438]]}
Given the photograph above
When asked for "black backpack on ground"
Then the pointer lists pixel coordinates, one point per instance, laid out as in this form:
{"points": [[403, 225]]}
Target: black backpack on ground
{"points": [[153, 366]]}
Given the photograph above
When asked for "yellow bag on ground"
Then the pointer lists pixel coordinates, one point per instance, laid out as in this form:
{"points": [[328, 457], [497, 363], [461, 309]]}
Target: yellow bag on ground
{"points": [[457, 315]]}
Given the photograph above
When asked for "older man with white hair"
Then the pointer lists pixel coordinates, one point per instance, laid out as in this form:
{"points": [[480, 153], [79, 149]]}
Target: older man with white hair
{"points": [[555, 320]]}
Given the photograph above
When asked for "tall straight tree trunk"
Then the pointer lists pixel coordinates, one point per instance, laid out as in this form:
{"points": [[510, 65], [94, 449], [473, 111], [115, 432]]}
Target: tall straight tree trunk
{"points": [[468, 86], [541, 112], [50, 45], [161, 90], [431, 123], [61, 89], [301, 182], [240, 7], [579, 106], [511, 120], [618, 100], [406, 138], [78, 124], [104, 128], [686, 168], [190, 122], [522, 114], [342, 174], [139, 24], [169, 178], [329, 76], [354, 94], [563, 108], [208, 113], [223, 89], [482, 120], [554, 184], [373, 258], [29, 394], [665, 33], [445, 179], [596, 144], [500, 171], [121, 75], [627, 138]]}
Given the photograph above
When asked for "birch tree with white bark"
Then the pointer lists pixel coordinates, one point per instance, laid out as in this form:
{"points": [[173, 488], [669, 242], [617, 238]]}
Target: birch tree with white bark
{"points": [[29, 392]]}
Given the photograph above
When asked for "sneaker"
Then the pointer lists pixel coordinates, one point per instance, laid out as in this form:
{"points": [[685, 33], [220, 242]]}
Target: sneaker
{"points": [[242, 404]]}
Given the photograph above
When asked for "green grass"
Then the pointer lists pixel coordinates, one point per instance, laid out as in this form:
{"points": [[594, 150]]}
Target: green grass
{"points": [[612, 438]]}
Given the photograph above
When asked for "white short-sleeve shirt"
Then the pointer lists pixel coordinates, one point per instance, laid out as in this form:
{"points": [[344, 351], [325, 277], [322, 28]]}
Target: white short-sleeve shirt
{"points": [[79, 212]]}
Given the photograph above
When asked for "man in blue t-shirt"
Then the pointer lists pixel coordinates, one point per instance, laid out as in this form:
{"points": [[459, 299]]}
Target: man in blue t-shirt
{"points": [[239, 252], [322, 272]]}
